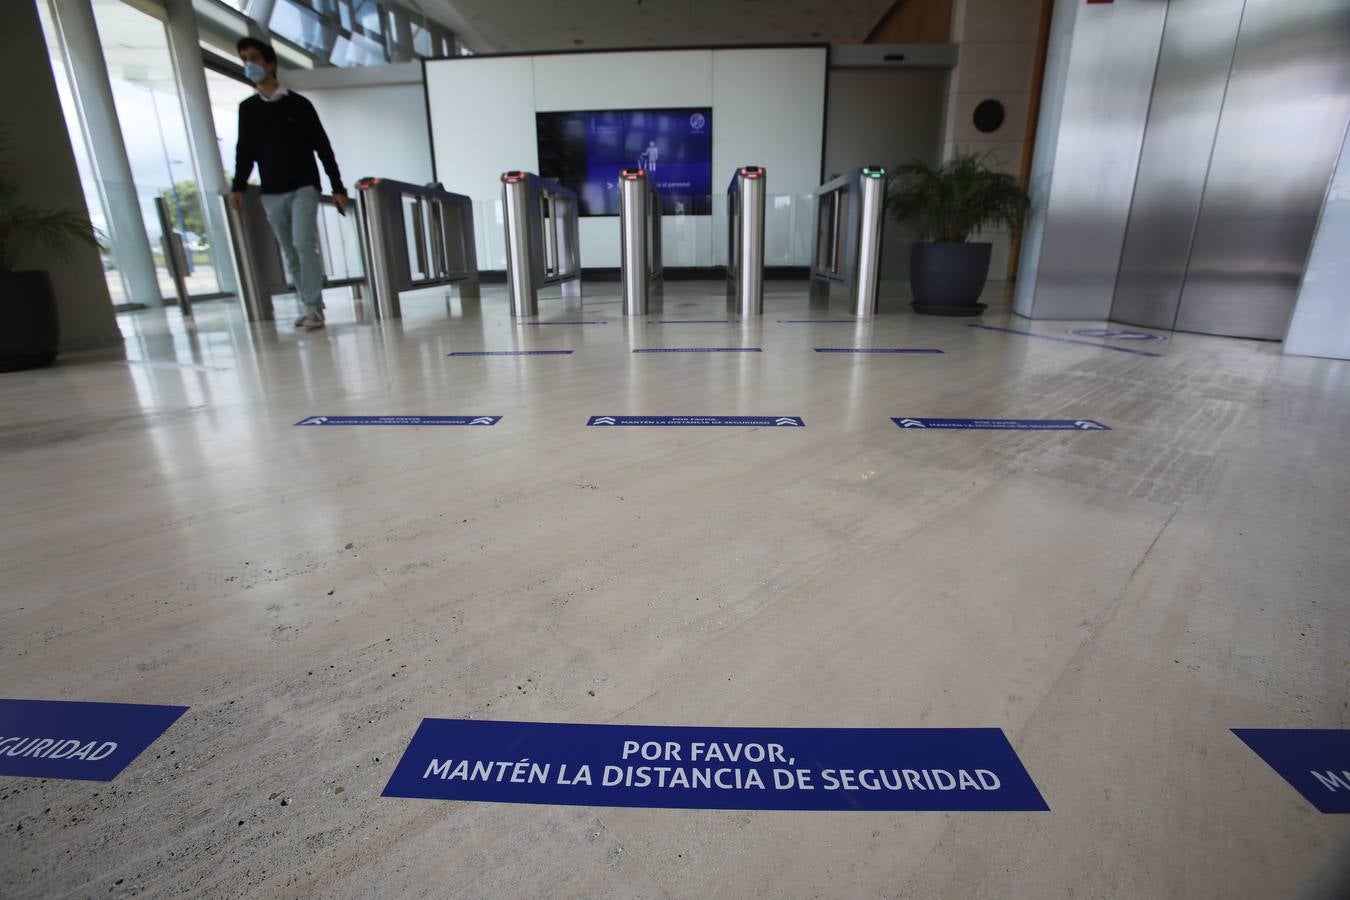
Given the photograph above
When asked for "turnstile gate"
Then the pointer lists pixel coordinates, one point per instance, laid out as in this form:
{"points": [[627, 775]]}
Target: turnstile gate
{"points": [[258, 268], [397, 237], [847, 246], [543, 245], [745, 241], [415, 237], [639, 241]]}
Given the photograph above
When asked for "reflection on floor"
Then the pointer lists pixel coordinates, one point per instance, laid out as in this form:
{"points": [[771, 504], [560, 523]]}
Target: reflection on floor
{"points": [[1115, 601]]}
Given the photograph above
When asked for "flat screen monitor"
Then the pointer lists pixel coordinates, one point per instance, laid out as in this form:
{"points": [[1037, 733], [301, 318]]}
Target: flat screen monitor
{"points": [[585, 150]]}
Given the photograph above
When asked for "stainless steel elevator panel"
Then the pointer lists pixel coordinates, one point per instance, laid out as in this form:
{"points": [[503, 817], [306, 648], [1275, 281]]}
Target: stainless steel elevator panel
{"points": [[1193, 64], [1101, 130], [1286, 107]]}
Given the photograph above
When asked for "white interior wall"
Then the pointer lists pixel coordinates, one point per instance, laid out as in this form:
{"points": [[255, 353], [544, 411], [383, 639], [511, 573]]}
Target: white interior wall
{"points": [[768, 109], [375, 117], [856, 136]]}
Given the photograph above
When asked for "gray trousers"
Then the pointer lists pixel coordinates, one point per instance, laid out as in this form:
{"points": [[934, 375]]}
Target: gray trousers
{"points": [[295, 222]]}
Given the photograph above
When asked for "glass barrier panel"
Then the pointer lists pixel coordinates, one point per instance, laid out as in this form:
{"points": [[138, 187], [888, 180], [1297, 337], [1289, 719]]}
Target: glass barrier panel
{"points": [[802, 228], [778, 221]]}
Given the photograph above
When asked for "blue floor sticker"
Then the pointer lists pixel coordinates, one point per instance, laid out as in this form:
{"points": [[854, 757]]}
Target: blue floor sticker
{"points": [[877, 350], [670, 767], [752, 421], [1063, 340], [511, 353], [577, 322], [400, 420], [1004, 424], [692, 322], [1116, 334], [72, 739], [1315, 761], [698, 350], [819, 321]]}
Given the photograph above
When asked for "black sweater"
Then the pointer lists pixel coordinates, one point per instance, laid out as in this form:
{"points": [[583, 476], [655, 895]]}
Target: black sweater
{"points": [[282, 136]]}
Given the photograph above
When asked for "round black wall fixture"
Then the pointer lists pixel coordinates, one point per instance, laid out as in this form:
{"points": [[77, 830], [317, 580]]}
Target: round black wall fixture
{"points": [[989, 116]]}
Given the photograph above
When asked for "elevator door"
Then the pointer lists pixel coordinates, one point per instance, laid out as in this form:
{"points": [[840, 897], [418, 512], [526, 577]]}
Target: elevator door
{"points": [[1278, 121], [1183, 117]]}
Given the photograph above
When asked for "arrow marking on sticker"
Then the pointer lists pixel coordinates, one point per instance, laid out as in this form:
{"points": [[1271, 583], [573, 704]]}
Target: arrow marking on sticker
{"points": [[786, 420], [911, 423], [603, 420]]}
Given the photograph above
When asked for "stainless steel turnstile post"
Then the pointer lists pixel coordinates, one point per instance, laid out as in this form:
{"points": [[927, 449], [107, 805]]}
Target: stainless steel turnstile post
{"points": [[745, 241], [253, 255], [542, 240], [639, 241], [850, 211], [519, 266]]}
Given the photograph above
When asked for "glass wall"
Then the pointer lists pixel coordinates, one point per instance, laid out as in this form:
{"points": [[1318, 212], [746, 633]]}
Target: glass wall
{"points": [[93, 197], [226, 95], [145, 93], [150, 112], [358, 32], [300, 25]]}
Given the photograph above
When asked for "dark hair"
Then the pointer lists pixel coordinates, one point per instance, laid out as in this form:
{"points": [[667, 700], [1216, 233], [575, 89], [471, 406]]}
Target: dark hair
{"points": [[268, 54]]}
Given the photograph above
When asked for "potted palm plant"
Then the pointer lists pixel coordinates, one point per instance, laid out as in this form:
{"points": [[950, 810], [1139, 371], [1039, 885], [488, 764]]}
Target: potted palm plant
{"points": [[29, 331], [948, 203]]}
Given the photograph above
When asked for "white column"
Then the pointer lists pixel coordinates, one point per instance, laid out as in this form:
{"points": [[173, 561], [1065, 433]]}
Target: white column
{"points": [[185, 50], [94, 100]]}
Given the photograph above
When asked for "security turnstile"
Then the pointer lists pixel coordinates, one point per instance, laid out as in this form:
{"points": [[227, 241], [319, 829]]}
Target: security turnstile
{"points": [[396, 237], [543, 245], [414, 237], [847, 251], [745, 241], [639, 241], [256, 259]]}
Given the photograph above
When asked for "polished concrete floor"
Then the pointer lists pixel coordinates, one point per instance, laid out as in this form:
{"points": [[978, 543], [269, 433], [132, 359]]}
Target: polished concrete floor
{"points": [[1115, 601]]}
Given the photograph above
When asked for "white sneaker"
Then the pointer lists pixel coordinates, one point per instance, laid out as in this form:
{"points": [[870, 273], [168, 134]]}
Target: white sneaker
{"points": [[311, 320], [300, 322]]}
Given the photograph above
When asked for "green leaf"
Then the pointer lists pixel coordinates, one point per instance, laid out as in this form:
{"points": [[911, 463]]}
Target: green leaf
{"points": [[956, 199], [60, 231]]}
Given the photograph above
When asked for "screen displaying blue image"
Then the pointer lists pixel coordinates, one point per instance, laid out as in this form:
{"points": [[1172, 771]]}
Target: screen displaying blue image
{"points": [[584, 151]]}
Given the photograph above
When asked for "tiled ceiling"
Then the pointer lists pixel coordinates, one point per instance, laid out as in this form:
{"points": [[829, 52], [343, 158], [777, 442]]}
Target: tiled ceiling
{"points": [[533, 25]]}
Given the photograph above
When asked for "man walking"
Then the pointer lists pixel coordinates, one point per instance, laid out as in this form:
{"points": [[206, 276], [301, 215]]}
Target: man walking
{"points": [[280, 131]]}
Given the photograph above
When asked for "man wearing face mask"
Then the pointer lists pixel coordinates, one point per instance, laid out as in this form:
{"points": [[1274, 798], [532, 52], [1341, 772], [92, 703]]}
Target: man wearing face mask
{"points": [[280, 132]]}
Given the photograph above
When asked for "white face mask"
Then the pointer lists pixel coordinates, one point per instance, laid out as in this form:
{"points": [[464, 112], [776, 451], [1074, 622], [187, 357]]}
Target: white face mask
{"points": [[254, 72]]}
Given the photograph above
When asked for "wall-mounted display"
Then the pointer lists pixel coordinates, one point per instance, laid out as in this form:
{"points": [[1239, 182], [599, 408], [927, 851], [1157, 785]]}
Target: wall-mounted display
{"points": [[585, 150]]}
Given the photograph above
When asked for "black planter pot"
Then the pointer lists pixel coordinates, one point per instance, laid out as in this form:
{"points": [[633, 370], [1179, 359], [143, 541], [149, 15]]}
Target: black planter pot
{"points": [[947, 278], [28, 327]]}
